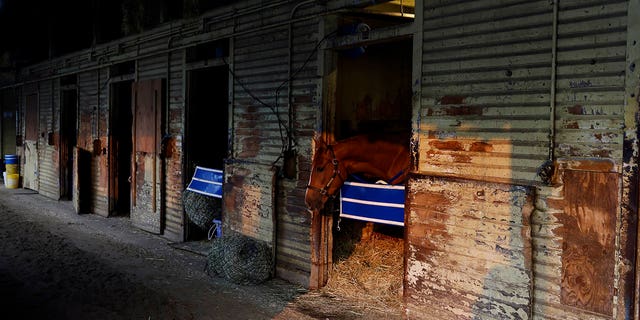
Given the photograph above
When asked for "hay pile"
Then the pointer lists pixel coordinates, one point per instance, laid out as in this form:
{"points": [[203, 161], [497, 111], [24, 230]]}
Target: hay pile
{"points": [[201, 209], [371, 276], [240, 259]]}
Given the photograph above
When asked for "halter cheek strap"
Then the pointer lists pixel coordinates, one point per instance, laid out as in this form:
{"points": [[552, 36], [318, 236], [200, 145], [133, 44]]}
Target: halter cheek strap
{"points": [[336, 173]]}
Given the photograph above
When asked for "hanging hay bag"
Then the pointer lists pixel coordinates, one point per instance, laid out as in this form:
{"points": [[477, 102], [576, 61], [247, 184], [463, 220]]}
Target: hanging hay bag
{"points": [[201, 209], [240, 259]]}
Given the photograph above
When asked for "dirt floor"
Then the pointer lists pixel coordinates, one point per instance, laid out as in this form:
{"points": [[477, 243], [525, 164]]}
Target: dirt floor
{"points": [[55, 264]]}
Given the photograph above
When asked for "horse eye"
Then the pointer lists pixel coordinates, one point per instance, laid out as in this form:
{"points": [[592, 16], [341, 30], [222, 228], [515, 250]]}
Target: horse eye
{"points": [[320, 169]]}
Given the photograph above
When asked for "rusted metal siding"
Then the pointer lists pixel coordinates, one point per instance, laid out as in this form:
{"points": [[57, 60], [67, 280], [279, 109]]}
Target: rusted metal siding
{"points": [[590, 78], [293, 241], [174, 217], [567, 66], [468, 250], [100, 145], [153, 67], [87, 110], [261, 70], [92, 136], [249, 200], [486, 88], [47, 149], [259, 67]]}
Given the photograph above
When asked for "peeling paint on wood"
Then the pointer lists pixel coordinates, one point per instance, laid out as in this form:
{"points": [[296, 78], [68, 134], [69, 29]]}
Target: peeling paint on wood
{"points": [[249, 200], [469, 250], [589, 222]]}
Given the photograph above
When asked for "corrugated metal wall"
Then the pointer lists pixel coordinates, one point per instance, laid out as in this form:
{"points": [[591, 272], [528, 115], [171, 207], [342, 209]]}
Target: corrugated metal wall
{"points": [[259, 67], [293, 241], [486, 88], [87, 107], [47, 151], [591, 51], [591, 70], [174, 217], [100, 163], [93, 111], [491, 92], [154, 67]]}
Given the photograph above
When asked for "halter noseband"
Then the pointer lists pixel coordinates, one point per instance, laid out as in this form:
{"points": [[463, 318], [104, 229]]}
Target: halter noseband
{"points": [[336, 172]]}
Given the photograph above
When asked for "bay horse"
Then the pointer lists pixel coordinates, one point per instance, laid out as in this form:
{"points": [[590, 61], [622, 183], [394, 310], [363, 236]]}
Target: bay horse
{"points": [[384, 157]]}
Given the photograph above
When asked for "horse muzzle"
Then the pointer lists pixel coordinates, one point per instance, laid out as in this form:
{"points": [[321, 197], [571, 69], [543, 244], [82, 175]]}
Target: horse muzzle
{"points": [[315, 198]]}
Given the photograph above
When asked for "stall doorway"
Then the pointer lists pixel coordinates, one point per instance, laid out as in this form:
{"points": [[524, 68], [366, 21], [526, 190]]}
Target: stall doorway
{"points": [[120, 148], [206, 127], [370, 92]]}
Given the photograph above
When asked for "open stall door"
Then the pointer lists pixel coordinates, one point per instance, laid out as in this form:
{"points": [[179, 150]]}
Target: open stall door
{"points": [[146, 163]]}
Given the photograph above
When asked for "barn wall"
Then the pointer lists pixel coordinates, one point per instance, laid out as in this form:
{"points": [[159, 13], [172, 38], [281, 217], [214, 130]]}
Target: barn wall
{"points": [[260, 70], [174, 217], [293, 241], [486, 88], [574, 229], [591, 79], [93, 113], [48, 168], [507, 87]]}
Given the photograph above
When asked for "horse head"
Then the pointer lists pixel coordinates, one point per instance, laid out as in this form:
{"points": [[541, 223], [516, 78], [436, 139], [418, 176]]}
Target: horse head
{"points": [[326, 178]]}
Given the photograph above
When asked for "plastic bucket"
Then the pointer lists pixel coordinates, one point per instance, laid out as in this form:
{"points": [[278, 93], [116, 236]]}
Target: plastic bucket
{"points": [[12, 181], [10, 159], [11, 168]]}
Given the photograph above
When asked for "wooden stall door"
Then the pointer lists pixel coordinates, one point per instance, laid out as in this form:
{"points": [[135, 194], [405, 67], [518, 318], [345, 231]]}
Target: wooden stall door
{"points": [[146, 162]]}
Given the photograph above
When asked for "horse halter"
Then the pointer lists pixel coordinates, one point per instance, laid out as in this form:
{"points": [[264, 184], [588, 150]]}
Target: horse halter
{"points": [[336, 173]]}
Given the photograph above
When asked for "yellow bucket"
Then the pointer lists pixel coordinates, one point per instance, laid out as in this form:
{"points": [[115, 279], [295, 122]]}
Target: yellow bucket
{"points": [[12, 181], [12, 168]]}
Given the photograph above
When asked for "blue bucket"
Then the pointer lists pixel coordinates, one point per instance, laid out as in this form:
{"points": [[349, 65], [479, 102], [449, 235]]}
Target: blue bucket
{"points": [[10, 159]]}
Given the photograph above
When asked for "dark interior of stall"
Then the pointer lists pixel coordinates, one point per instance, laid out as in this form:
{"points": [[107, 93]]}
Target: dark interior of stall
{"points": [[206, 138]]}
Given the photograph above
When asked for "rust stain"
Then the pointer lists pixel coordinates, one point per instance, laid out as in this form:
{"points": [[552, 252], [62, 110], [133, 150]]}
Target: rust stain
{"points": [[576, 110], [447, 145], [463, 111], [250, 147], [170, 148], [480, 146], [572, 125], [599, 165], [601, 153], [84, 130], [452, 100], [461, 158]]}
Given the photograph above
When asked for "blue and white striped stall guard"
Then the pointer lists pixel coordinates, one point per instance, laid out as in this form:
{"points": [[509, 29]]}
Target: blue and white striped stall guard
{"points": [[207, 181], [379, 203]]}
